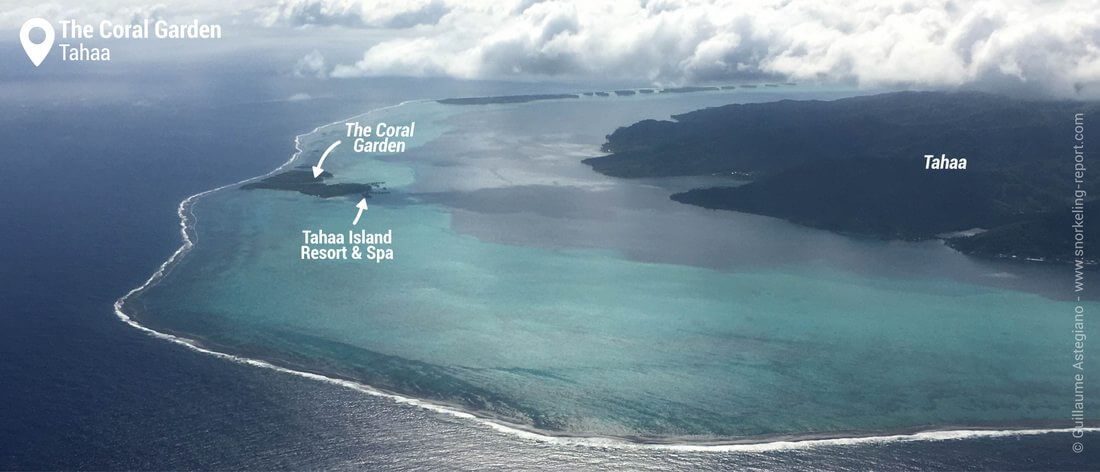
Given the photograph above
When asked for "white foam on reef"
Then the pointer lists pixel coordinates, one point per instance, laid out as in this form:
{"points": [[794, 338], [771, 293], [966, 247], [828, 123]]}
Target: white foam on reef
{"points": [[187, 221]]}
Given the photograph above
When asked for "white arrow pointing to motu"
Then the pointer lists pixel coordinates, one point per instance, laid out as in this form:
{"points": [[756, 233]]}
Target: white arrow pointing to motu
{"points": [[362, 206], [317, 170]]}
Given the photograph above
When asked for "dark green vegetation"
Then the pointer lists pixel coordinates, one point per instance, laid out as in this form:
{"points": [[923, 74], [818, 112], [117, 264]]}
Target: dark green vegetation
{"points": [[893, 199], [856, 165], [624, 92], [1043, 236], [505, 99], [302, 181]]}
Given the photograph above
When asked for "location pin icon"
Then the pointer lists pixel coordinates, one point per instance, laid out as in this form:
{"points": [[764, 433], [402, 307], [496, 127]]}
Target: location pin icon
{"points": [[37, 52]]}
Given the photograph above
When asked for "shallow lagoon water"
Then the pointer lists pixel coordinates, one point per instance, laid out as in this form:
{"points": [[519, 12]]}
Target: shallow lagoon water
{"points": [[531, 289]]}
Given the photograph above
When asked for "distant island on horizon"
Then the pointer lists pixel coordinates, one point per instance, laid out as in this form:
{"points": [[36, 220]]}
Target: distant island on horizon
{"points": [[857, 166], [493, 100]]}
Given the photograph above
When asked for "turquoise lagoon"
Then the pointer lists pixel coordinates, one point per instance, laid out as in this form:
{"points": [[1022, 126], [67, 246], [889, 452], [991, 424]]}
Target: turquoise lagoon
{"points": [[530, 289]]}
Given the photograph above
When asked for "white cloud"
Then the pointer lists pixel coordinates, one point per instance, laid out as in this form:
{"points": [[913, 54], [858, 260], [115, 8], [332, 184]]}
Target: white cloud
{"points": [[311, 65], [365, 14], [95, 11], [1029, 46], [299, 97], [1041, 47]]}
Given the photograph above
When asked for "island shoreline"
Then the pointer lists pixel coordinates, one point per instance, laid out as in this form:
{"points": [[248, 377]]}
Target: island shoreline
{"points": [[188, 220]]}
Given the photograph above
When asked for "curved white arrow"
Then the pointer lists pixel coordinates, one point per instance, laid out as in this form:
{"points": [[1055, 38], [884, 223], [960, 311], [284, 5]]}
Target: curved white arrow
{"points": [[362, 206], [317, 170]]}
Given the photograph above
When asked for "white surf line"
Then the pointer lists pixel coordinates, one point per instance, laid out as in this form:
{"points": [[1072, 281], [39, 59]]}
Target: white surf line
{"points": [[186, 215]]}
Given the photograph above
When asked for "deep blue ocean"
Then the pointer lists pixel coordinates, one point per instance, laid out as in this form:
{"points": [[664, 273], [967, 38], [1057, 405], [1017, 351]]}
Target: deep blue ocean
{"points": [[95, 161]]}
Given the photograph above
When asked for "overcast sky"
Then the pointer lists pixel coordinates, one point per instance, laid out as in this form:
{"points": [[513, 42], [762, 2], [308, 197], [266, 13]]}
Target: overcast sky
{"points": [[1045, 48]]}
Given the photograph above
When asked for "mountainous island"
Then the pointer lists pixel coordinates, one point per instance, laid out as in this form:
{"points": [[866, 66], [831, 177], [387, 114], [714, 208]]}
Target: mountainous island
{"points": [[858, 166]]}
